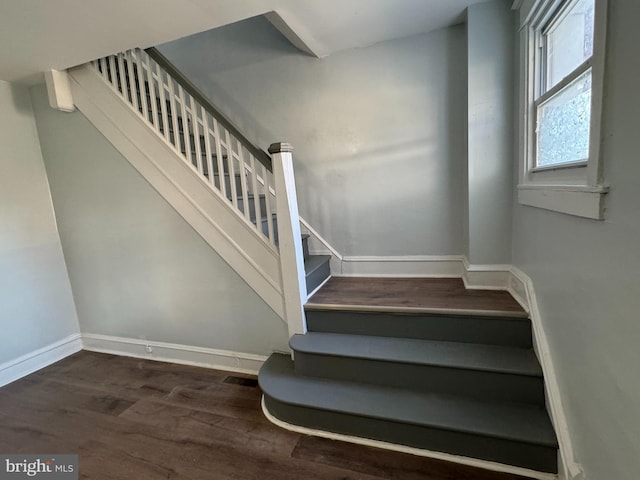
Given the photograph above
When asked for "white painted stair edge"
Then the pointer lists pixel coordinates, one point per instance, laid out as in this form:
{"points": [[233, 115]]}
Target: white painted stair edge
{"points": [[204, 209], [448, 457]]}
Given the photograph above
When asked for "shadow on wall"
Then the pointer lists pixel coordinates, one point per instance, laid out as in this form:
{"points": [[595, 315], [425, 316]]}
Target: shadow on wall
{"points": [[379, 166]]}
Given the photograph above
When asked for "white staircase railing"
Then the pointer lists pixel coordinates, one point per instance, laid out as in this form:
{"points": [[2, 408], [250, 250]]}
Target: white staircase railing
{"points": [[245, 178], [209, 144]]}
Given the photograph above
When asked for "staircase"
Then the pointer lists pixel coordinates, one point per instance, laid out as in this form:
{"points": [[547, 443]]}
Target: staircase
{"points": [[468, 385], [463, 383], [235, 195]]}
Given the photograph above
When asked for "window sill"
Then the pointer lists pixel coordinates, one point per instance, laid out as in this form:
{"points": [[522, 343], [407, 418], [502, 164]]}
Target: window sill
{"points": [[579, 200]]}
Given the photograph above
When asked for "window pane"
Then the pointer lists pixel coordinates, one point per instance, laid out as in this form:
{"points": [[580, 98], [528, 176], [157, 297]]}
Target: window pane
{"points": [[563, 124], [570, 41]]}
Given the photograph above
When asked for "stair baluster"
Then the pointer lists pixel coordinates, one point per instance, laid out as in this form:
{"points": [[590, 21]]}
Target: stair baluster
{"points": [[220, 155]]}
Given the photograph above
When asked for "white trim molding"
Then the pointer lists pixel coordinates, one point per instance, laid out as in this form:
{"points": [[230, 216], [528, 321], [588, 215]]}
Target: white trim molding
{"points": [[43, 357], [521, 287], [403, 266], [318, 245], [581, 201], [573, 189], [486, 277], [479, 277], [59, 90], [174, 353], [473, 462]]}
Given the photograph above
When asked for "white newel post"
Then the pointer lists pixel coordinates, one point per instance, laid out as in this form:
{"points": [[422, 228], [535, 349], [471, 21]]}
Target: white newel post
{"points": [[289, 239]]}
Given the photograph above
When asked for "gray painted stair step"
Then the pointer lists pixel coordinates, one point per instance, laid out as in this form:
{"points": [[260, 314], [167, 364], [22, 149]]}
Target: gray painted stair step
{"points": [[305, 245], [484, 372], [317, 270], [506, 331], [519, 435], [422, 352]]}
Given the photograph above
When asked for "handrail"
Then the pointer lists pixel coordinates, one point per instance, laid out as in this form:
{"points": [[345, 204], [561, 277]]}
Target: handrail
{"points": [[262, 193], [260, 155], [208, 145]]}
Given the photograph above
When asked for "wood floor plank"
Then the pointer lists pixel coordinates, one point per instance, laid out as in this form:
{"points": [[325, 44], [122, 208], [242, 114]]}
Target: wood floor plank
{"points": [[220, 401], [391, 465], [129, 418], [427, 293], [255, 436]]}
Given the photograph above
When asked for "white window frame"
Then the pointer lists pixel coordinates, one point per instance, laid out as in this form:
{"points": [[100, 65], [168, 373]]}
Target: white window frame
{"points": [[573, 188]]}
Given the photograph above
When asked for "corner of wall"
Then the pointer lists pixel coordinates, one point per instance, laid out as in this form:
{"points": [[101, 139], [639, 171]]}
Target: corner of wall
{"points": [[43, 357]]}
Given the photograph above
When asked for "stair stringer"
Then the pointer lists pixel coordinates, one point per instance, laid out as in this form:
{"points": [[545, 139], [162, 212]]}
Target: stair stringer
{"points": [[211, 215]]}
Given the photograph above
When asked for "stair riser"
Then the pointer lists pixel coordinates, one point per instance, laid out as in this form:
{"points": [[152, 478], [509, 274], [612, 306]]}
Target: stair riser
{"points": [[482, 385], [513, 332], [535, 457], [317, 277]]}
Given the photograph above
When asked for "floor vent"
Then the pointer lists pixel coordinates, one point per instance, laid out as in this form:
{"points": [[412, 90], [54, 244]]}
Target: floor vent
{"points": [[245, 382]]}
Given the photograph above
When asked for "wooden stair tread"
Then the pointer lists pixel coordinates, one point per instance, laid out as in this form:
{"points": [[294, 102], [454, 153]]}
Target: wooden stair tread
{"points": [[434, 295]]}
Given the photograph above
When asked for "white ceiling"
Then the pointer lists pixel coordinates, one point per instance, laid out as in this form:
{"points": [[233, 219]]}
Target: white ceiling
{"points": [[38, 35]]}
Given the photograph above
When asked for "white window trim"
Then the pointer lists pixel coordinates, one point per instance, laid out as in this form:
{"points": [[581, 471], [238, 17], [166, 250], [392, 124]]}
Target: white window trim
{"points": [[578, 188]]}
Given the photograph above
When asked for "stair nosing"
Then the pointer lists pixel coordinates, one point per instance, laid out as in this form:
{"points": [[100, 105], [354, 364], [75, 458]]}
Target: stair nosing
{"points": [[461, 312], [461, 346]]}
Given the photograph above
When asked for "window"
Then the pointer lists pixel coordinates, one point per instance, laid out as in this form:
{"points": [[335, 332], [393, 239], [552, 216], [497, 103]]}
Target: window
{"points": [[562, 54]]}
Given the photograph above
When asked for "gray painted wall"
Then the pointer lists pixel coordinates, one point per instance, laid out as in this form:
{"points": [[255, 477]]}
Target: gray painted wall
{"points": [[36, 304], [379, 154], [137, 268], [490, 131], [586, 278]]}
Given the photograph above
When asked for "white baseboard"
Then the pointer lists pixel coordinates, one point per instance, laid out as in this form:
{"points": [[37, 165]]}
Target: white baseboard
{"points": [[521, 287], [473, 462], [518, 288], [402, 266], [43, 357], [174, 353], [486, 277], [478, 277]]}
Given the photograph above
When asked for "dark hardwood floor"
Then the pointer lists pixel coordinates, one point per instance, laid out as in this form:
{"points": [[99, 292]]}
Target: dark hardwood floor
{"points": [[413, 293], [136, 419]]}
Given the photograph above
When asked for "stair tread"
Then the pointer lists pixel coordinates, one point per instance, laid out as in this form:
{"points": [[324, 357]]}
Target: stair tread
{"points": [[510, 360], [414, 294], [515, 422]]}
